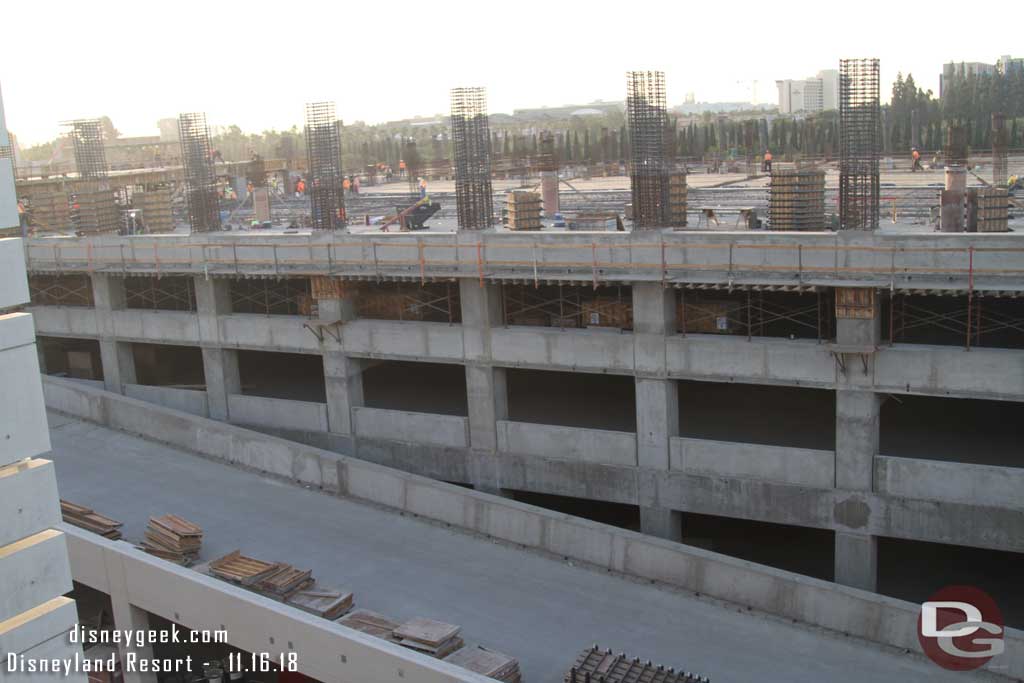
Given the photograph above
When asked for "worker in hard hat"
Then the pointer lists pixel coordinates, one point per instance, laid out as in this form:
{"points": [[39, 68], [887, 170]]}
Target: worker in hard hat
{"points": [[766, 165], [916, 156], [423, 188]]}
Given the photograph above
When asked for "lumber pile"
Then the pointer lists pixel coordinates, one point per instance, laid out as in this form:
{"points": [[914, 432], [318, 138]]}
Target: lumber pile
{"points": [[174, 539], [90, 520], [486, 662], [329, 603], [434, 638], [371, 623], [245, 571], [594, 664], [284, 580]]}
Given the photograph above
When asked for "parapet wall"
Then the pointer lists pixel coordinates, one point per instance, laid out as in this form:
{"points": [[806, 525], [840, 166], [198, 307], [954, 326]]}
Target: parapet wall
{"points": [[819, 603]]}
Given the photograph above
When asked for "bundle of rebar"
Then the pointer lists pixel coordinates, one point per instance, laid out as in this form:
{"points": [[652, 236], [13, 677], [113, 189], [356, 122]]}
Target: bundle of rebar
{"points": [[90, 154], [1000, 144], [471, 141], [648, 173], [200, 177], [323, 150], [859, 128], [796, 199]]}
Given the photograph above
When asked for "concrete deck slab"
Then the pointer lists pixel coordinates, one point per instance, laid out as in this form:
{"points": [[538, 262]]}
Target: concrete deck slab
{"points": [[525, 604]]}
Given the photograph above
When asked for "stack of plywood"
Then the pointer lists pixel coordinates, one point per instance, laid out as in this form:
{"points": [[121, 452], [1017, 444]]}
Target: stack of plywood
{"points": [[87, 518], [371, 623], [329, 603], [50, 211], [155, 204], [595, 220], [524, 210], [174, 539], [434, 638], [486, 663]]}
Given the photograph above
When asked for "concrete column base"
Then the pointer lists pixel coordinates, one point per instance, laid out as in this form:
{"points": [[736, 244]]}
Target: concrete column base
{"points": [[220, 367], [857, 561], [118, 365], [662, 522]]}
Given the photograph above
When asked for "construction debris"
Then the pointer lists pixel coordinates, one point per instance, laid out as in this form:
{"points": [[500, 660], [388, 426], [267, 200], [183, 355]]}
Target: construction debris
{"points": [[486, 662], [329, 603], [601, 666], [284, 580], [173, 538], [90, 520], [246, 571], [434, 638]]}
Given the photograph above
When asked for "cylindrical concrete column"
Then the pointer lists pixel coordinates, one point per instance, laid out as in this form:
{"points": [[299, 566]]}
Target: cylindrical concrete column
{"points": [[549, 192], [952, 200]]}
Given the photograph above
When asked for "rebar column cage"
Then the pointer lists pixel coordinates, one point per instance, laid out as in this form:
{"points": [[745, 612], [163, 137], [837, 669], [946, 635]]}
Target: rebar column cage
{"points": [[547, 159], [1000, 143], [859, 137], [471, 142], [88, 142], [323, 151], [200, 177], [648, 124], [956, 145], [413, 165]]}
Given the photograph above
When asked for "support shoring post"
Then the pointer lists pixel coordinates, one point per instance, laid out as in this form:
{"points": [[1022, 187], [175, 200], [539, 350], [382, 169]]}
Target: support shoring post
{"points": [[970, 292]]}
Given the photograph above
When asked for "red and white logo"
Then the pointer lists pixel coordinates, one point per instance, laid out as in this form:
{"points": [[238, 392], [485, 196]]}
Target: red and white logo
{"points": [[960, 628]]}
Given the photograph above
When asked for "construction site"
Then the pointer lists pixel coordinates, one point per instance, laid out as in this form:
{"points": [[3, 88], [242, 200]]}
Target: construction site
{"points": [[674, 421]]}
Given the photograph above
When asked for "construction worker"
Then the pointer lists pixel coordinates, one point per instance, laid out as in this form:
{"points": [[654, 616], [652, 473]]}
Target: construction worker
{"points": [[766, 165], [423, 188], [22, 218], [916, 156], [401, 168], [346, 184]]}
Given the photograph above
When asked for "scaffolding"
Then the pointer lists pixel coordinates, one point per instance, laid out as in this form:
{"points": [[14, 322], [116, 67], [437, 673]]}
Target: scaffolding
{"points": [[568, 306], [90, 154], [859, 132], [471, 140], [266, 296], [323, 150], [437, 302], [648, 170], [67, 289], [167, 293], [200, 177], [977, 319], [755, 312]]}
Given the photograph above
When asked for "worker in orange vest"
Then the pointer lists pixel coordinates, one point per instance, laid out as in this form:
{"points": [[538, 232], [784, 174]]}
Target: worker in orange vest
{"points": [[401, 168], [345, 184], [916, 156], [766, 165]]}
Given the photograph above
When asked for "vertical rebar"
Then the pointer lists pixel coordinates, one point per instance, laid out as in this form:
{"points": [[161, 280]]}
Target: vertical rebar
{"points": [[471, 142], [647, 117], [200, 177], [323, 150], [859, 126]]}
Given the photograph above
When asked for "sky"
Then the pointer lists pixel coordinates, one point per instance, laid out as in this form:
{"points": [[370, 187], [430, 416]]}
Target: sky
{"points": [[255, 64]]}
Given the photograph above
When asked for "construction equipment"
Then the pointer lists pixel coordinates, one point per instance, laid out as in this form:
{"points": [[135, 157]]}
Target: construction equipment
{"points": [[412, 217]]}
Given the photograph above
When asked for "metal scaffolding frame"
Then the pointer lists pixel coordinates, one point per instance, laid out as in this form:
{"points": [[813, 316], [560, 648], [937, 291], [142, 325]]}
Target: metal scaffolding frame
{"points": [[567, 306], [859, 137], [200, 176], [754, 312], [67, 289], [271, 296], [437, 302], [974, 320], [323, 152], [471, 142], [167, 293], [87, 138], [647, 118]]}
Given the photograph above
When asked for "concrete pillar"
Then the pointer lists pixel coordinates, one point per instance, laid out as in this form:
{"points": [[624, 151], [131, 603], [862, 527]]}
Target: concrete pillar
{"points": [[127, 617], [487, 393], [661, 522], [549, 192], [220, 365], [857, 432], [118, 365], [343, 380], [856, 560], [108, 292]]}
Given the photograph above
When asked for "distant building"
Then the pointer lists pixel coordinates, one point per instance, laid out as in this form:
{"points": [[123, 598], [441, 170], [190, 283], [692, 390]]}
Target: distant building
{"points": [[953, 70], [1007, 64], [810, 95], [547, 113]]}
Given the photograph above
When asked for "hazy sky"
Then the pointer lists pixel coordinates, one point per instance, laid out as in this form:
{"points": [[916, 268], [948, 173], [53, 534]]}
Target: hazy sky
{"points": [[256, 63]]}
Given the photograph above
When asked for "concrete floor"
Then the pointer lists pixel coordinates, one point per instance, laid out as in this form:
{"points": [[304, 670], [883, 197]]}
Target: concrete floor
{"points": [[531, 606]]}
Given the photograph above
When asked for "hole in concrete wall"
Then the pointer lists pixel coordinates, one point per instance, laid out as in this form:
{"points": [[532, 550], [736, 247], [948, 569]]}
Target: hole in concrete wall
{"points": [[167, 293], [803, 550], [914, 570], [572, 399], [165, 365], [808, 315], [954, 429], [415, 387], [617, 514], [436, 302], [286, 296], [292, 376], [995, 322], [60, 290], [67, 357], [568, 306], [762, 414]]}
